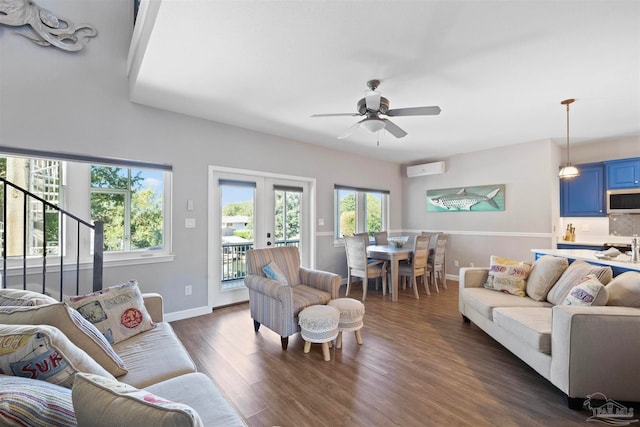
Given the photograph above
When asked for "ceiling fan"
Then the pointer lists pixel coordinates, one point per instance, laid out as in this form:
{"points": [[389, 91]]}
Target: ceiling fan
{"points": [[373, 105]]}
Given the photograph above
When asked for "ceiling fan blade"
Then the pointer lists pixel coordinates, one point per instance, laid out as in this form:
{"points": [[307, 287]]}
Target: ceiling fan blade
{"points": [[335, 115], [415, 111], [349, 131], [372, 98], [394, 129]]}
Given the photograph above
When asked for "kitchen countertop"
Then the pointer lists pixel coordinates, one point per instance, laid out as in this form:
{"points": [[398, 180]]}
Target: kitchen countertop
{"points": [[622, 261], [596, 241]]}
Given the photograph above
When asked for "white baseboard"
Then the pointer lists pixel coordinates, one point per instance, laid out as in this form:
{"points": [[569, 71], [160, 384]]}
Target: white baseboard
{"points": [[185, 314]]}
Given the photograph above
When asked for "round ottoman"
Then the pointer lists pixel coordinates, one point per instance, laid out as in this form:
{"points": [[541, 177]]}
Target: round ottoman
{"points": [[319, 324], [351, 314]]}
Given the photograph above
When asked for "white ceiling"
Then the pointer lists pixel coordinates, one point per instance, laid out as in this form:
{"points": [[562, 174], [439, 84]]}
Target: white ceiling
{"points": [[498, 69]]}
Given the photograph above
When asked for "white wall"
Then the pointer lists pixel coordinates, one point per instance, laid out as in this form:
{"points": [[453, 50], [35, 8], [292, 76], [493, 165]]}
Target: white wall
{"points": [[78, 103]]}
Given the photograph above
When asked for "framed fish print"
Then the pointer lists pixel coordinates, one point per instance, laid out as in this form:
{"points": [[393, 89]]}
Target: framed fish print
{"points": [[466, 199]]}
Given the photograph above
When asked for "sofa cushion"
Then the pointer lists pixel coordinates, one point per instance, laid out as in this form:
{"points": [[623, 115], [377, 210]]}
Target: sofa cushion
{"points": [[508, 275], [624, 289], [27, 402], [531, 324], [100, 401], [154, 356], [19, 297], [485, 300], [274, 272], [545, 272], [118, 311], [572, 276], [304, 296], [199, 392], [588, 292], [78, 330], [42, 352]]}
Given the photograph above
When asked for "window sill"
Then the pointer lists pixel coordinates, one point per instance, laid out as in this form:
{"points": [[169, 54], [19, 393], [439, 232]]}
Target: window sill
{"points": [[34, 265]]}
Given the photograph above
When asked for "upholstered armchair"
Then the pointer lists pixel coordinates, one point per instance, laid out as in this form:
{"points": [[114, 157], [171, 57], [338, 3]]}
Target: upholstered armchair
{"points": [[275, 302]]}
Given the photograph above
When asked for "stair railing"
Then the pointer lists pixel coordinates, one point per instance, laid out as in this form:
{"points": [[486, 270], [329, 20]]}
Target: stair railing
{"points": [[98, 241]]}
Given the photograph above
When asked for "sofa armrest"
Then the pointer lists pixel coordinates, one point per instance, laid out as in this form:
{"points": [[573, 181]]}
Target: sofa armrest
{"points": [[154, 305], [596, 349], [323, 280], [473, 277]]}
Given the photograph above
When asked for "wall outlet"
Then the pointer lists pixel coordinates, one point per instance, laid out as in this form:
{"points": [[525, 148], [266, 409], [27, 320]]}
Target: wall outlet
{"points": [[456, 263], [188, 290], [471, 264]]}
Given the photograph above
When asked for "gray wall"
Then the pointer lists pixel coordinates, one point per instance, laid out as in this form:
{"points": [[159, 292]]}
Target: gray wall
{"points": [[531, 216], [78, 103]]}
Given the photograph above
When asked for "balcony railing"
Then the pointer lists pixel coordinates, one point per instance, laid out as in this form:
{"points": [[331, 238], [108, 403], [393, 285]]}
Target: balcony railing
{"points": [[234, 260]]}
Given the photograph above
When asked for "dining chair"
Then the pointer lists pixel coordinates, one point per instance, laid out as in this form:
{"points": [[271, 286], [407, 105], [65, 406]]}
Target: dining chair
{"points": [[358, 265], [381, 238], [417, 265], [436, 265]]}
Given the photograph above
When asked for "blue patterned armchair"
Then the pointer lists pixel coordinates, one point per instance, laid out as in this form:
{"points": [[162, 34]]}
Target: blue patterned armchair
{"points": [[276, 303]]}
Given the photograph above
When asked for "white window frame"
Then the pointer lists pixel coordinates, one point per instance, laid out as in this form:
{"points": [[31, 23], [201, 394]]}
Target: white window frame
{"points": [[76, 198], [361, 211]]}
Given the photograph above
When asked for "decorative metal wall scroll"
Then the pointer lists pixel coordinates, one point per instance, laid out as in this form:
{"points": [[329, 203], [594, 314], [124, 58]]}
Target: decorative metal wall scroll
{"points": [[46, 28]]}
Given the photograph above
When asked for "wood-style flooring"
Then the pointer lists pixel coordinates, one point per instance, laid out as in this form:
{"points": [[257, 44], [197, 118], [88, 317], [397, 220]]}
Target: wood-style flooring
{"points": [[420, 365]]}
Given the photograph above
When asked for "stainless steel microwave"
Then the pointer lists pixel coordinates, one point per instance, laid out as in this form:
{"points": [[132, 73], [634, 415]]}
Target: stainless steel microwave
{"points": [[623, 201]]}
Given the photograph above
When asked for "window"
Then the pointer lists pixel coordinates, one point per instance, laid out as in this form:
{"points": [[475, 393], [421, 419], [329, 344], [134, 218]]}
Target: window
{"points": [[40, 231], [360, 210], [133, 199], [130, 203]]}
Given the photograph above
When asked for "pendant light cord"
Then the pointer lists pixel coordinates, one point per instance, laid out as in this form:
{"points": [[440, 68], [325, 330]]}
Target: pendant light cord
{"points": [[568, 156]]}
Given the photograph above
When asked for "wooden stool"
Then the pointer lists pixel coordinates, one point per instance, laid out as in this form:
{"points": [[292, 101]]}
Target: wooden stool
{"points": [[351, 314], [319, 324]]}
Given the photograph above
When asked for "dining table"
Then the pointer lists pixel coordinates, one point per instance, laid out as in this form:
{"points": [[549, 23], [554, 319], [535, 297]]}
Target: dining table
{"points": [[394, 255]]}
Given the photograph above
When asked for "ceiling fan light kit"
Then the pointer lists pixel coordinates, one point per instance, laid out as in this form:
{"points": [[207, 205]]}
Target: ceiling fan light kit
{"points": [[568, 171], [372, 106]]}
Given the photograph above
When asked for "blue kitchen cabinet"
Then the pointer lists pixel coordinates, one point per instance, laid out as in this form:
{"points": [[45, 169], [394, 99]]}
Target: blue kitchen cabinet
{"points": [[584, 194], [623, 173]]}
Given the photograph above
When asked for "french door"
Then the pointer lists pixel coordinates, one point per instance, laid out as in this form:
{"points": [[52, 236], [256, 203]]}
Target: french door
{"points": [[249, 210]]}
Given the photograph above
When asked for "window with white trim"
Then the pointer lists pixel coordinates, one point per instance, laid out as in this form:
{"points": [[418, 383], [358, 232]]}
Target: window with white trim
{"points": [[359, 210], [133, 200]]}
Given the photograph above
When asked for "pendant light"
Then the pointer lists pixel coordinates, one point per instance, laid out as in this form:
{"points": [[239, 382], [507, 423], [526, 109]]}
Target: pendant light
{"points": [[568, 171]]}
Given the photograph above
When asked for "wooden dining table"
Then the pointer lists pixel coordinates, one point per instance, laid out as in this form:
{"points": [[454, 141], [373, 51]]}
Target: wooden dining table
{"points": [[394, 255]]}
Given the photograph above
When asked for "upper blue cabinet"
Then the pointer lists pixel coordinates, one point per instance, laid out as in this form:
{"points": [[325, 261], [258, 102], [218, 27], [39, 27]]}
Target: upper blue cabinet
{"points": [[584, 194], [623, 173]]}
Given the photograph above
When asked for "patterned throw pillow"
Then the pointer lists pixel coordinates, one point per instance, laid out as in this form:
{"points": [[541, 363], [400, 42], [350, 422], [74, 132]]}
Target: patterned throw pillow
{"points": [[78, 330], [508, 275], [589, 291], [19, 297], [118, 312], [572, 276], [273, 272], [42, 352], [25, 402], [121, 404]]}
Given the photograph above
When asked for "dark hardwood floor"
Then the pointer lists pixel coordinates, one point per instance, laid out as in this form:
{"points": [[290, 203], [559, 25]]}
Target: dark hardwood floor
{"points": [[420, 365]]}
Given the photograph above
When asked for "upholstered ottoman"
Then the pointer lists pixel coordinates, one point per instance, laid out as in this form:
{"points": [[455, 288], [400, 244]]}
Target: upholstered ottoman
{"points": [[351, 314], [319, 324]]}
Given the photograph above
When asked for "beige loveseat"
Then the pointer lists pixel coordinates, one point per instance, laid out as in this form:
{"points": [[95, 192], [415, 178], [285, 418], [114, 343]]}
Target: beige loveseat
{"points": [[156, 362], [581, 350]]}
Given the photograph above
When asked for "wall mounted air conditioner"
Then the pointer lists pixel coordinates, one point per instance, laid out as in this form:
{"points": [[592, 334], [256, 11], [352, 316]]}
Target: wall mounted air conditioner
{"points": [[434, 168]]}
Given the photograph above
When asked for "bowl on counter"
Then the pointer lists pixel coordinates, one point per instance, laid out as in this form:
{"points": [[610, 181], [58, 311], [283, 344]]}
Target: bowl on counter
{"points": [[397, 241]]}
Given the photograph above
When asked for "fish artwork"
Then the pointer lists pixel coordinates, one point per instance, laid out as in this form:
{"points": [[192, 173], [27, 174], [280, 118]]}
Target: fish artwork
{"points": [[463, 201]]}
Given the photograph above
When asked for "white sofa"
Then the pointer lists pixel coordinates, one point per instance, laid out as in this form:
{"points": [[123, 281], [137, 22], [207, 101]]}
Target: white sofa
{"points": [[581, 350], [157, 363]]}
